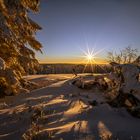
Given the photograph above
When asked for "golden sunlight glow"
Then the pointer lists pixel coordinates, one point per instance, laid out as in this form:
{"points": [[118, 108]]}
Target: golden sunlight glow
{"points": [[90, 57]]}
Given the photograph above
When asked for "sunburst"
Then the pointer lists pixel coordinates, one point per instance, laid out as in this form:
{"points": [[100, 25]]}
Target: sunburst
{"points": [[90, 57]]}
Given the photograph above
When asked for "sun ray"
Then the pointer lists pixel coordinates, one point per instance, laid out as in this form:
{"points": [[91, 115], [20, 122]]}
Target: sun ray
{"points": [[89, 57], [84, 68], [99, 66]]}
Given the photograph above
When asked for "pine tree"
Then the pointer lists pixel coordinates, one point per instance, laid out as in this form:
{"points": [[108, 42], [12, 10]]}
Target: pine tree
{"points": [[17, 42]]}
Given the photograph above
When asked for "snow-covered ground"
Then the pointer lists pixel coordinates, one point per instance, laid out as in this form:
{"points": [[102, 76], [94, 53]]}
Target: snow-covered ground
{"points": [[60, 111]]}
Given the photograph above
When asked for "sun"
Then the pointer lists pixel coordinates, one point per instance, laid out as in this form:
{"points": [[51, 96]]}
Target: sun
{"points": [[89, 56]]}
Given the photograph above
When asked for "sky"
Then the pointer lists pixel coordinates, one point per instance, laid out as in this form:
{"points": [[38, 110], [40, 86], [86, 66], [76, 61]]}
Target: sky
{"points": [[70, 26]]}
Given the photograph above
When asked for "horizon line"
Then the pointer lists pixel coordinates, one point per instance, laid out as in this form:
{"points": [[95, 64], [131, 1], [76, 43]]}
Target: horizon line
{"points": [[73, 63]]}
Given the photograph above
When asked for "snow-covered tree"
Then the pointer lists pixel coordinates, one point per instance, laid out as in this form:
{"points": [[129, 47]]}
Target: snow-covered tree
{"points": [[17, 42]]}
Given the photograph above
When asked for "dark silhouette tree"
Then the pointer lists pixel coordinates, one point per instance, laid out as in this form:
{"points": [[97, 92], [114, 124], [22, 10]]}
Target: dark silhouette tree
{"points": [[127, 55]]}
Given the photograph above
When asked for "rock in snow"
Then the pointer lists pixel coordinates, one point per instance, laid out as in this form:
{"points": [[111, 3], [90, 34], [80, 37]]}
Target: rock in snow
{"points": [[129, 90], [129, 75]]}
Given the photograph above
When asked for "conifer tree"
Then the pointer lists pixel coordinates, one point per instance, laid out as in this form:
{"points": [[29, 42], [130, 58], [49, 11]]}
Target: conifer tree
{"points": [[17, 42]]}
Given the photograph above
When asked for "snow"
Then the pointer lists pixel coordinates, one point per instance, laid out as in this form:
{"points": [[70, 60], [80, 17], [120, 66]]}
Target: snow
{"points": [[65, 116], [2, 64]]}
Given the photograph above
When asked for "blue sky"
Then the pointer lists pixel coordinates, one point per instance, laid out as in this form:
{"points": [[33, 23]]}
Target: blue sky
{"points": [[68, 25]]}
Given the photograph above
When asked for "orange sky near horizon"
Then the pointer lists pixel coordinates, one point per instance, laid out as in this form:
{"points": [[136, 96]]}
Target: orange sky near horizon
{"points": [[56, 60]]}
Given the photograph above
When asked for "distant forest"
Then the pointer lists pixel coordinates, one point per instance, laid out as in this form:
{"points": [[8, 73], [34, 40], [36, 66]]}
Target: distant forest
{"points": [[73, 68]]}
